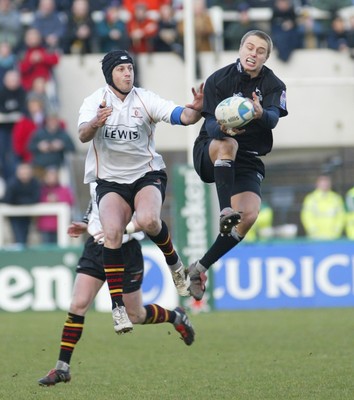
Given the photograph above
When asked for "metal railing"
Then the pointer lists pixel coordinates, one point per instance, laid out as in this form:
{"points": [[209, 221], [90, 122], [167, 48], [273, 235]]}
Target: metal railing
{"points": [[61, 210]]}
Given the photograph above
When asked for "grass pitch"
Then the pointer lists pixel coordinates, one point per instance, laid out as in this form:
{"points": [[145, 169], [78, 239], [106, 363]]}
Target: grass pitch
{"points": [[243, 355]]}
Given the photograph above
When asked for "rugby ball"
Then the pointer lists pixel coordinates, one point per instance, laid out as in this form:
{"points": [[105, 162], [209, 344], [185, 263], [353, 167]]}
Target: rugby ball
{"points": [[234, 112]]}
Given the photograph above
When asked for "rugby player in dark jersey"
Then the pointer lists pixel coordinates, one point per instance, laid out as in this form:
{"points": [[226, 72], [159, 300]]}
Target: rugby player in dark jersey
{"points": [[231, 159]]}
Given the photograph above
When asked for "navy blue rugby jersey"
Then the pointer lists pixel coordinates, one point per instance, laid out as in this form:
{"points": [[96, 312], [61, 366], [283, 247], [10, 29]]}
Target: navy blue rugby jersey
{"points": [[231, 80]]}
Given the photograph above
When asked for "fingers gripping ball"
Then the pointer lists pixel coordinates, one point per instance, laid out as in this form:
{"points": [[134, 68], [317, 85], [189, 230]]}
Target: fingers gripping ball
{"points": [[234, 112]]}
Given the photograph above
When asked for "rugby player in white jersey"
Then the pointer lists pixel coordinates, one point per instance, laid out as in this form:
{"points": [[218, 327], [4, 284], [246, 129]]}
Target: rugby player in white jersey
{"points": [[119, 121]]}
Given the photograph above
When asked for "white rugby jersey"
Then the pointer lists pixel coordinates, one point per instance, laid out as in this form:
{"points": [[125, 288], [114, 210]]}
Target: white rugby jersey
{"points": [[123, 150], [94, 225]]}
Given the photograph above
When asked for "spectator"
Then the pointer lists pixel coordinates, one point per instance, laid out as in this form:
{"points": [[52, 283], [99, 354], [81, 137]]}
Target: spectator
{"points": [[25, 127], [36, 60], [49, 145], [12, 107], [204, 31], [323, 212], [8, 60], [284, 29], [112, 29], [39, 91], [349, 204], [10, 24], [166, 39], [141, 30], [49, 23], [311, 31], [337, 38], [22, 189], [79, 34], [151, 5], [235, 30], [52, 192]]}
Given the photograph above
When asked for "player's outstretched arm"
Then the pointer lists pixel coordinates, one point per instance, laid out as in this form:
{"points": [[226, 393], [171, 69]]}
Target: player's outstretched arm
{"points": [[192, 111]]}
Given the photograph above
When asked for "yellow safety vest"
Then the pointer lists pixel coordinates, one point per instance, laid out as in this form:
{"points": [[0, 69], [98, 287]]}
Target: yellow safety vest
{"points": [[323, 215], [349, 202]]}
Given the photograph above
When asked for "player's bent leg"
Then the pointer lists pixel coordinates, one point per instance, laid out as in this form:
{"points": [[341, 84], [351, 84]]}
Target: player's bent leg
{"points": [[155, 314], [134, 305]]}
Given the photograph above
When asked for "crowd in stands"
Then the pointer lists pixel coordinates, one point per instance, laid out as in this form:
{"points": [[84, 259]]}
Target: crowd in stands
{"points": [[35, 34]]}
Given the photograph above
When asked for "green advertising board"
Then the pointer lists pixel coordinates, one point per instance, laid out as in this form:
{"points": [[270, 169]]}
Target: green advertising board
{"points": [[192, 216], [37, 279]]}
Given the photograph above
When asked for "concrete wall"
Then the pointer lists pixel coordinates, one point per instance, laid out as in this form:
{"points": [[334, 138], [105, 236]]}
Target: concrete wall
{"points": [[320, 94]]}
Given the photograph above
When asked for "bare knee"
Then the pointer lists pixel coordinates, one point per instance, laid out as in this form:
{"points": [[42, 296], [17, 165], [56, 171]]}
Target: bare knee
{"points": [[113, 238], [151, 224], [223, 149], [79, 307]]}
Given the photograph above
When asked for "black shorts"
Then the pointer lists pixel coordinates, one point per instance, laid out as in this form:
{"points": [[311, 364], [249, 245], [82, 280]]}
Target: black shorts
{"points": [[128, 191], [249, 170], [91, 263]]}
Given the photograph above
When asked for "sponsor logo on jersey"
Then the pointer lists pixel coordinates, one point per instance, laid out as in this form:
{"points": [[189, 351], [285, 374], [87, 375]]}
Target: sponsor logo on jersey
{"points": [[283, 100], [137, 113], [120, 133], [259, 94]]}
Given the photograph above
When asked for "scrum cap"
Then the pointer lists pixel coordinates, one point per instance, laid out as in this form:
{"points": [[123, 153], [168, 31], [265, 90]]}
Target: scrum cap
{"points": [[111, 60]]}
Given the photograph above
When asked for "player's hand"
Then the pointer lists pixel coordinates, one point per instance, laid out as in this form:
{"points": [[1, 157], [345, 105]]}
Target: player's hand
{"points": [[258, 109], [98, 237], [103, 112], [198, 96], [232, 131], [76, 229]]}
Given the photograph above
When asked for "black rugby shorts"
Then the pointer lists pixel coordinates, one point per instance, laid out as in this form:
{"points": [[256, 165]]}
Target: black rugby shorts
{"points": [[91, 263], [128, 191], [249, 170]]}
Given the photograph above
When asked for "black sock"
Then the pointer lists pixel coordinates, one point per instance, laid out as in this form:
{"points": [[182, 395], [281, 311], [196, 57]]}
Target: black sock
{"points": [[224, 179], [221, 246], [114, 268], [164, 243], [71, 334]]}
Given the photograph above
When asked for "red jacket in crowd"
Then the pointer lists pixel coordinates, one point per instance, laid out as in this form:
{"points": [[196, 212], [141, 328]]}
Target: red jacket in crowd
{"points": [[37, 62]]}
